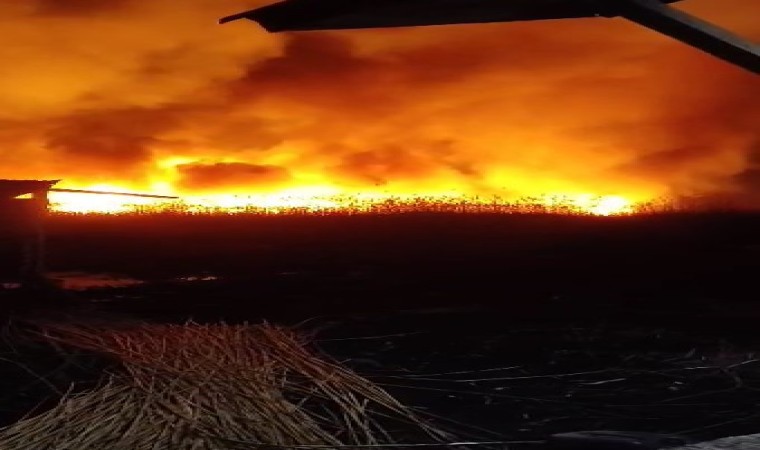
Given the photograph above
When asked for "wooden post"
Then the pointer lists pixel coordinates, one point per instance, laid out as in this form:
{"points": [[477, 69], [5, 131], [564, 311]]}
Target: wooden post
{"points": [[23, 210], [33, 265]]}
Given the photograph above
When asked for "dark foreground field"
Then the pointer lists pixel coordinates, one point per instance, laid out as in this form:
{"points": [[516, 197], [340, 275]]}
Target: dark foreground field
{"points": [[521, 324], [682, 263]]}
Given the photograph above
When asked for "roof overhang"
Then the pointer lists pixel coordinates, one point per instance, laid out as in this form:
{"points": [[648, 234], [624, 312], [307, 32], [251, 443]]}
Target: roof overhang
{"points": [[305, 15], [16, 188], [309, 15]]}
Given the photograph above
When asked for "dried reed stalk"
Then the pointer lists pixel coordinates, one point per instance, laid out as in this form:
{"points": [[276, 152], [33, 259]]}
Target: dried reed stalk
{"points": [[214, 387]]}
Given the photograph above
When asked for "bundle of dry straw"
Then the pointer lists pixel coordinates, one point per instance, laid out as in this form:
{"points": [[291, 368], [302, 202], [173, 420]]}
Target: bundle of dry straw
{"points": [[215, 387]]}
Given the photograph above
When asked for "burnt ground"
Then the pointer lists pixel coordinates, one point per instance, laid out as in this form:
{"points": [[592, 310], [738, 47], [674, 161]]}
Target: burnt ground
{"points": [[525, 325]]}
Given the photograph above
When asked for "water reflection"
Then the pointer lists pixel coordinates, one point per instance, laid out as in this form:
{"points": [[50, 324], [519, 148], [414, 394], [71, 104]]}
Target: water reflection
{"points": [[82, 281]]}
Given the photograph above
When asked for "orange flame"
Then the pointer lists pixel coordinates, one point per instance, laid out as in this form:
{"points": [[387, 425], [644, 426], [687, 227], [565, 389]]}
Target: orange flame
{"points": [[325, 199]]}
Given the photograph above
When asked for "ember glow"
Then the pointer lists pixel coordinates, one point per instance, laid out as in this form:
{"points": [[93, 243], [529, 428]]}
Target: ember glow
{"points": [[143, 96]]}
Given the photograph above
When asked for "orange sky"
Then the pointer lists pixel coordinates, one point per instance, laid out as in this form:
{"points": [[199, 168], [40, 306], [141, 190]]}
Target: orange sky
{"points": [[148, 95]]}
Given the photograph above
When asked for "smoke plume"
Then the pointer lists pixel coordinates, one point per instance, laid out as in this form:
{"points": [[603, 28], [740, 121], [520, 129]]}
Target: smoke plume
{"points": [[134, 92]]}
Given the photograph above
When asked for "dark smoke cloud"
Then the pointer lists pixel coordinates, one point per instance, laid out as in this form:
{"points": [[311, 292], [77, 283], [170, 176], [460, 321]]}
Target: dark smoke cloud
{"points": [[701, 129], [77, 7], [381, 165], [745, 185], [102, 143], [413, 160], [204, 177], [322, 71]]}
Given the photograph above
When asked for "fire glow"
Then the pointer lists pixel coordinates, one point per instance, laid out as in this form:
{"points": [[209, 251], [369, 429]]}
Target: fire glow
{"points": [[324, 199], [595, 116]]}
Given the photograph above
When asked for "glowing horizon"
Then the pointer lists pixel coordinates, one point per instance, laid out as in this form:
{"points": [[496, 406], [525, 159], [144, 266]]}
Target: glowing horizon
{"points": [[324, 198]]}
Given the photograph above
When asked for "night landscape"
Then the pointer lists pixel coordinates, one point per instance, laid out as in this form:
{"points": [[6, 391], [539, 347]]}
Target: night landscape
{"points": [[295, 233]]}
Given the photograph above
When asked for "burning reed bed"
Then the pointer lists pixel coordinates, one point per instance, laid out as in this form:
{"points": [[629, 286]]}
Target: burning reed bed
{"points": [[338, 206], [216, 387], [349, 206]]}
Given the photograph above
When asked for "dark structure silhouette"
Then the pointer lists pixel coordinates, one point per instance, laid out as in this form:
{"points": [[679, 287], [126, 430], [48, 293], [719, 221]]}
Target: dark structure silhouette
{"points": [[23, 206], [303, 15]]}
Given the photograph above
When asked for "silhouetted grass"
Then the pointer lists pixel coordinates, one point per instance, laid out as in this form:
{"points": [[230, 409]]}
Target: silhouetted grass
{"points": [[420, 204]]}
